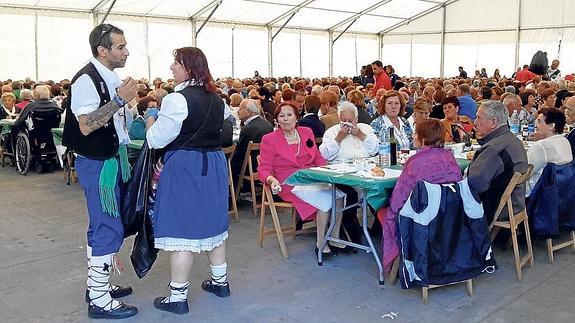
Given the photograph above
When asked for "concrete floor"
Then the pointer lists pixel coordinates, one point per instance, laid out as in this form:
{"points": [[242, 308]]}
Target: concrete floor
{"points": [[43, 274]]}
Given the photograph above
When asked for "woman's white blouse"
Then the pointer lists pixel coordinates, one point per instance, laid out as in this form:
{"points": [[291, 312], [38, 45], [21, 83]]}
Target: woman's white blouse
{"points": [[172, 114]]}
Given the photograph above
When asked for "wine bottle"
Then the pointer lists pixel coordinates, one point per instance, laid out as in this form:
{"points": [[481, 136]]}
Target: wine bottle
{"points": [[393, 144]]}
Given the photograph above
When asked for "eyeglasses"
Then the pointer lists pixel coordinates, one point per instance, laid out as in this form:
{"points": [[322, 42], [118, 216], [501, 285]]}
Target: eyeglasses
{"points": [[105, 30]]}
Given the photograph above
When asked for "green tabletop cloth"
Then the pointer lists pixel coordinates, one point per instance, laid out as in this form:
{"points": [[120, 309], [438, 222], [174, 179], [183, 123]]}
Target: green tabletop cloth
{"points": [[6, 125], [57, 135], [377, 190]]}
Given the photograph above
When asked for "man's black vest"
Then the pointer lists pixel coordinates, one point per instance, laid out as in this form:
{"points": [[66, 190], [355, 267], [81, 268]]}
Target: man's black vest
{"points": [[102, 143]]}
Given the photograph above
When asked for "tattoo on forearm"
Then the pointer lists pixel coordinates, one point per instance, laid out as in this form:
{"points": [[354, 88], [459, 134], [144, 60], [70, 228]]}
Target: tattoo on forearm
{"points": [[97, 119]]}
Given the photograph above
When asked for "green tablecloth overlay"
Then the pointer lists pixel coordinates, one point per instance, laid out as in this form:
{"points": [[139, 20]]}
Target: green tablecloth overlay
{"points": [[6, 125], [57, 135], [377, 191]]}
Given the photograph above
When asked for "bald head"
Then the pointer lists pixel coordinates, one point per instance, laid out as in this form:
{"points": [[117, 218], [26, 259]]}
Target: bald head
{"points": [[41, 92], [251, 106], [247, 109], [334, 89], [512, 102]]}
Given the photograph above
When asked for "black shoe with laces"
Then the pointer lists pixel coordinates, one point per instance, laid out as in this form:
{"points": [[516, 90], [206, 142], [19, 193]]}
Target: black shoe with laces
{"points": [[179, 308], [219, 290], [115, 292], [121, 312]]}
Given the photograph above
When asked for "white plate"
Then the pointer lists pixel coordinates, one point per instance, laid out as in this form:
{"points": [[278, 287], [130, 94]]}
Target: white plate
{"points": [[336, 168], [389, 174]]}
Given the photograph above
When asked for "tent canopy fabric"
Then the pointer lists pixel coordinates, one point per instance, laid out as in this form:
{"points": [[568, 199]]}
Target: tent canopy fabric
{"points": [[364, 16], [47, 39]]}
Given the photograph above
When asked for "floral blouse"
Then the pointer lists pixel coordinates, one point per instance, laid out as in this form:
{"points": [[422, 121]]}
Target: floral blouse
{"points": [[404, 134]]}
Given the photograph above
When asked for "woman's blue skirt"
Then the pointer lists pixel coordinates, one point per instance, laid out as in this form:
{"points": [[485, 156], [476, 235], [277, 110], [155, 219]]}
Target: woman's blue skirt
{"points": [[192, 196]]}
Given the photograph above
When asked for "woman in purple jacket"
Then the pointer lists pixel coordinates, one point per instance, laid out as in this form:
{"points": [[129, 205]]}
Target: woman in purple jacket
{"points": [[432, 163]]}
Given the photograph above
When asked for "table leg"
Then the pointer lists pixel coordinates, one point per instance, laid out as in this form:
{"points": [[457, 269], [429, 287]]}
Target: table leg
{"points": [[333, 214], [368, 237]]}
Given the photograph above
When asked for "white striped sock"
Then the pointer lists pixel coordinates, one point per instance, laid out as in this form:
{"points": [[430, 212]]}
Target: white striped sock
{"points": [[219, 274]]}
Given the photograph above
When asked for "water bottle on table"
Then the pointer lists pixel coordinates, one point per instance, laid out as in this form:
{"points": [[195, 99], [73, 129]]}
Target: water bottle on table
{"points": [[384, 149], [514, 123]]}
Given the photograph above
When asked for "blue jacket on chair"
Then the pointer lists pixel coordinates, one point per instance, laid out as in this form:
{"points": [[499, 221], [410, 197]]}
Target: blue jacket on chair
{"points": [[550, 205], [444, 236]]}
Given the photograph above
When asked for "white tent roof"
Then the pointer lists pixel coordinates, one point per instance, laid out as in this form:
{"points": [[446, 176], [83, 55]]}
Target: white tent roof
{"points": [[361, 16]]}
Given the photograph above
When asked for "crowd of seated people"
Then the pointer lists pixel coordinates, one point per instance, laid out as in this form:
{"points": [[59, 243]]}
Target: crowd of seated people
{"points": [[349, 113]]}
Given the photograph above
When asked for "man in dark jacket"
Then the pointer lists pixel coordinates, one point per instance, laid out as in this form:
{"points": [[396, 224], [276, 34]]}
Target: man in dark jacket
{"points": [[462, 72], [41, 102], [255, 127], [500, 156]]}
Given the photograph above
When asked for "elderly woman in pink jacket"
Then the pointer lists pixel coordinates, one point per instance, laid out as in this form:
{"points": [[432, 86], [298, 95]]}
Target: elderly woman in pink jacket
{"points": [[285, 151]]}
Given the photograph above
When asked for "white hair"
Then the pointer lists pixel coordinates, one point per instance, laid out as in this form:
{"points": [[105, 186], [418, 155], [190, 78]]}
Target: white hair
{"points": [[496, 110], [41, 92], [26, 94], [512, 99], [316, 90], [346, 106], [252, 106]]}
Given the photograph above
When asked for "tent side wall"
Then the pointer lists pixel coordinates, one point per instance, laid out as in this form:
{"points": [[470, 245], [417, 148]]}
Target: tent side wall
{"points": [[489, 33]]}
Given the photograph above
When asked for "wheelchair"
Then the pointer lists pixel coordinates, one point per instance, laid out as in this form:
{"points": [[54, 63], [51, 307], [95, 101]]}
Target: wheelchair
{"points": [[31, 144]]}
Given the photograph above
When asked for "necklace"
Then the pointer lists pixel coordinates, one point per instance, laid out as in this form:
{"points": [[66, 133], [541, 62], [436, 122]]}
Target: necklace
{"points": [[291, 138]]}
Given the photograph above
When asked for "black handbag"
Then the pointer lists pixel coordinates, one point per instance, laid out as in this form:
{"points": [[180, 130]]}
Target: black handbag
{"points": [[143, 253], [136, 215], [134, 200]]}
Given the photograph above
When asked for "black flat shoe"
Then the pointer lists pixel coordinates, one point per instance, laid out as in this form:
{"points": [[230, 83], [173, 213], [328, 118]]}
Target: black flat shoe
{"points": [[346, 249], [179, 308], [219, 290], [121, 312], [332, 253], [120, 291]]}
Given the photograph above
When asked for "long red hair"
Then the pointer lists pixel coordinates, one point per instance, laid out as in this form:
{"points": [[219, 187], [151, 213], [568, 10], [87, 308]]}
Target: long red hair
{"points": [[196, 65]]}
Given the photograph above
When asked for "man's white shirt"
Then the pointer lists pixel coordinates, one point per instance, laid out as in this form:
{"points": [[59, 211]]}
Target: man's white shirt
{"points": [[86, 99]]}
